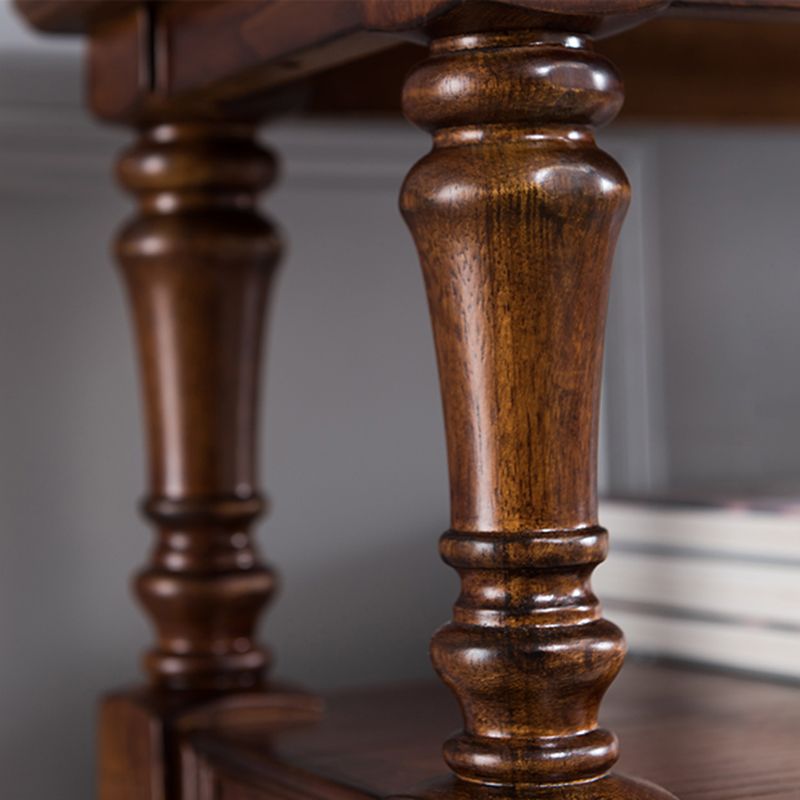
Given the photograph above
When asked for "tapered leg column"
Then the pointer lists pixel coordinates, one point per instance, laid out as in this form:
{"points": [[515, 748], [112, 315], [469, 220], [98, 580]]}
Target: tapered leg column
{"points": [[515, 214], [197, 260]]}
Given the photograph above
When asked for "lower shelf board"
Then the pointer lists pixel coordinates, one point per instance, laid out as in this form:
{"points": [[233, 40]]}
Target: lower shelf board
{"points": [[703, 735]]}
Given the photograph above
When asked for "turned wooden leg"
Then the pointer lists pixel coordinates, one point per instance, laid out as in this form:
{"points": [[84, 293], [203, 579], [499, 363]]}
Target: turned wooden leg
{"points": [[515, 214], [197, 261]]}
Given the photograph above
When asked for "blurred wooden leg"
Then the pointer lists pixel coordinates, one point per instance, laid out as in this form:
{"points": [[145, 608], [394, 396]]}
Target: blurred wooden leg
{"points": [[197, 261]]}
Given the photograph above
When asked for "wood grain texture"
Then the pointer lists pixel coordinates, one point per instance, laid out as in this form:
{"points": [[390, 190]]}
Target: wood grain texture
{"points": [[197, 260], [706, 736], [515, 214]]}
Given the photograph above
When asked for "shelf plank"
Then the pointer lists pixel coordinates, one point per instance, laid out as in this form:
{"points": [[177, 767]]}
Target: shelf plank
{"points": [[691, 730]]}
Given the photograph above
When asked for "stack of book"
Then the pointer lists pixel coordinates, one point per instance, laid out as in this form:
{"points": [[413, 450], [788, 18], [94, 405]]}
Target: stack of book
{"points": [[716, 583]]}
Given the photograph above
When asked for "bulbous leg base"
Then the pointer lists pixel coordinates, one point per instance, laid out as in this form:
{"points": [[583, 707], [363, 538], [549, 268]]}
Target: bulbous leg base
{"points": [[609, 787]]}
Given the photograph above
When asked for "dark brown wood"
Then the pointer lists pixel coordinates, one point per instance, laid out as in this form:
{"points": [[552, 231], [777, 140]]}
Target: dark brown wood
{"points": [[144, 53], [706, 736], [709, 71], [676, 70], [141, 730], [197, 260], [233, 52], [77, 16], [120, 64], [72, 16], [515, 214]]}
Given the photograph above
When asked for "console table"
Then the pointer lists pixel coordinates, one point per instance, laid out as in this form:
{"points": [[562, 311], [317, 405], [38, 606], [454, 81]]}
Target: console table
{"points": [[515, 213]]}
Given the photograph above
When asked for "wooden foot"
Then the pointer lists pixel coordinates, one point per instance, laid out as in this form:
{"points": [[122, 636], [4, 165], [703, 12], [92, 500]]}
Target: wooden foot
{"points": [[515, 214]]}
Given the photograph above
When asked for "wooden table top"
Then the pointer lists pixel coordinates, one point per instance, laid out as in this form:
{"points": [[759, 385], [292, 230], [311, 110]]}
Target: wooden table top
{"points": [[352, 55], [701, 734], [81, 15]]}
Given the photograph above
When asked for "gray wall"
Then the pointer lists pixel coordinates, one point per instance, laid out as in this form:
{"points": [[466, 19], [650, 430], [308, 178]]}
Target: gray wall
{"points": [[702, 396], [703, 317], [730, 283]]}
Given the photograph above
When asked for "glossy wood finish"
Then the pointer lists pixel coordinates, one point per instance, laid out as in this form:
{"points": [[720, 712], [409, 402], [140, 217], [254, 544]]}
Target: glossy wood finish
{"points": [[706, 736], [197, 260], [515, 215]]}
